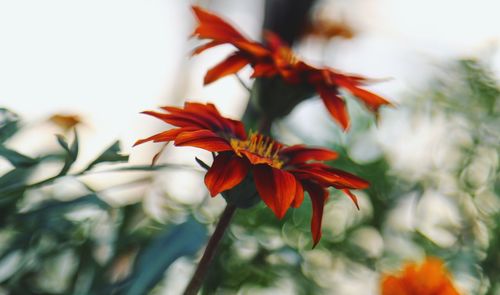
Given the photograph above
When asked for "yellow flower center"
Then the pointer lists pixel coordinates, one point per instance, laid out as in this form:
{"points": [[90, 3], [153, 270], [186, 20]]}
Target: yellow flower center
{"points": [[259, 149], [287, 55]]}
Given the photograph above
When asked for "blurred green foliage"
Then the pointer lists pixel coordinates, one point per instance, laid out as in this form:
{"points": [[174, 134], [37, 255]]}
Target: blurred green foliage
{"points": [[47, 248], [467, 95]]}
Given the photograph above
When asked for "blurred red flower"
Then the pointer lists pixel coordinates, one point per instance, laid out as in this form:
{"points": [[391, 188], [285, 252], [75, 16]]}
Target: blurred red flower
{"points": [[281, 173], [277, 59], [429, 278]]}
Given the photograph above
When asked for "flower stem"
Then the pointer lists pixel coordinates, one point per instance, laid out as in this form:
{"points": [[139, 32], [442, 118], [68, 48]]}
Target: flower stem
{"points": [[265, 124], [201, 271]]}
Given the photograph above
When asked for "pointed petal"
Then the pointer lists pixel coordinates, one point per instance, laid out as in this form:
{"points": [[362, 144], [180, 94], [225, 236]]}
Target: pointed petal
{"points": [[210, 114], [179, 119], [274, 41], [204, 139], [264, 70], [238, 129], [301, 153], [253, 49], [227, 171], [202, 116], [329, 176], [200, 108], [195, 115], [335, 105], [276, 187], [213, 27], [229, 66], [318, 197], [206, 46], [370, 99], [165, 136], [299, 195], [157, 137], [341, 179], [352, 196]]}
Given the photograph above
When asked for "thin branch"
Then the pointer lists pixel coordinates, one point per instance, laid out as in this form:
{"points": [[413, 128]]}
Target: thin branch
{"points": [[243, 83], [201, 271]]}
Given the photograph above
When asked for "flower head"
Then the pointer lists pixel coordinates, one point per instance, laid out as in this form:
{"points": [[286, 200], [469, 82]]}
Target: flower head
{"points": [[281, 173], [429, 278], [276, 59], [65, 121]]}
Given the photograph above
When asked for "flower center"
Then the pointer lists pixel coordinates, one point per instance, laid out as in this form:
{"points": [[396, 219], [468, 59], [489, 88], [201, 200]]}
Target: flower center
{"points": [[287, 55], [259, 149]]}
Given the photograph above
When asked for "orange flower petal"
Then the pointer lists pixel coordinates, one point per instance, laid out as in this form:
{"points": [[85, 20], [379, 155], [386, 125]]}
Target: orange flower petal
{"points": [[341, 179], [204, 116], [274, 41], [165, 136], [252, 48], [231, 65], [238, 129], [227, 171], [335, 105], [204, 139], [394, 286], [179, 120], [206, 46], [201, 107], [329, 176], [370, 99], [299, 195], [429, 278], [211, 25], [264, 70], [352, 197], [193, 114], [276, 187], [301, 154], [318, 197]]}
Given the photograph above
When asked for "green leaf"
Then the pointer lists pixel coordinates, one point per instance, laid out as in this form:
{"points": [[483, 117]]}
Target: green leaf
{"points": [[111, 154], [146, 168], [71, 152], [17, 159], [9, 124], [152, 262], [12, 188], [202, 164], [53, 207], [14, 178]]}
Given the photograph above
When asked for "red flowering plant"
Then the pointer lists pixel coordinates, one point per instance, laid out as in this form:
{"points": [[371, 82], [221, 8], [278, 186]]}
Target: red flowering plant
{"points": [[276, 64], [280, 173], [249, 167]]}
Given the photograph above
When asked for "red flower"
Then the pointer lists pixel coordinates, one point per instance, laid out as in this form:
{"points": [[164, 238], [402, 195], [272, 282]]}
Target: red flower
{"points": [[430, 278], [277, 59], [281, 173]]}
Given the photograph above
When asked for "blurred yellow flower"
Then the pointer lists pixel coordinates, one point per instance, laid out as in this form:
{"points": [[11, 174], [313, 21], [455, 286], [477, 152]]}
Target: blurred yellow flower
{"points": [[65, 121]]}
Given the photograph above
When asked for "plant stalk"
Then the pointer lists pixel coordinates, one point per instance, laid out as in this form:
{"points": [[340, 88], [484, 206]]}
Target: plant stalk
{"points": [[201, 270]]}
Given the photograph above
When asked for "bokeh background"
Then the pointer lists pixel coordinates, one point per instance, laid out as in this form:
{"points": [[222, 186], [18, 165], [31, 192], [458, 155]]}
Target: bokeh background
{"points": [[432, 160]]}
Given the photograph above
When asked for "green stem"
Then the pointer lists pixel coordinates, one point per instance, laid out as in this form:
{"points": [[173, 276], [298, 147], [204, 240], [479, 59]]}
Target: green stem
{"points": [[201, 270]]}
